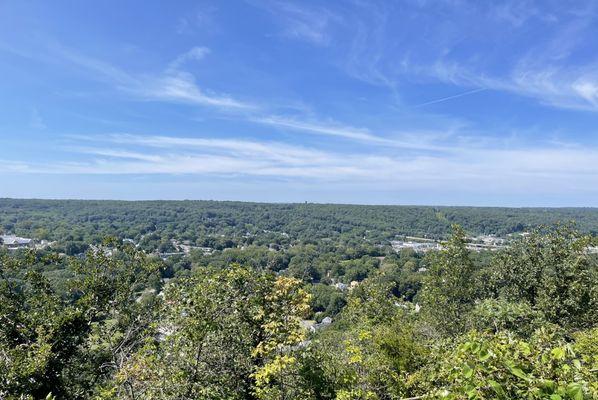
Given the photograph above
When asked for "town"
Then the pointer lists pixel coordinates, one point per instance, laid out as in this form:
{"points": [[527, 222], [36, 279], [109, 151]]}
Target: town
{"points": [[476, 243]]}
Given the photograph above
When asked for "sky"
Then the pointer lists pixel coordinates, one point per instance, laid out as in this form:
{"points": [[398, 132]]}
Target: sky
{"points": [[377, 102]]}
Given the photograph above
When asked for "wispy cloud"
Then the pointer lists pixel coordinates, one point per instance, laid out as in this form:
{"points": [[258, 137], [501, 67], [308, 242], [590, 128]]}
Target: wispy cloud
{"points": [[115, 153], [181, 87], [203, 19], [552, 85], [172, 85], [410, 140], [538, 168], [195, 54], [300, 21], [270, 150], [551, 71], [555, 71], [97, 69], [150, 154], [321, 128], [369, 54], [517, 13], [560, 86]]}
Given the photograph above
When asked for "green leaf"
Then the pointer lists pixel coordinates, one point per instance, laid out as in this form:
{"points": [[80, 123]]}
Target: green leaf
{"points": [[575, 391], [558, 353], [519, 373], [497, 388], [548, 385], [484, 355], [467, 371]]}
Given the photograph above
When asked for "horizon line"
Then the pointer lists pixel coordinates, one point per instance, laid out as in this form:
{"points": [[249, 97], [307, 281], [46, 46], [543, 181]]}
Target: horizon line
{"points": [[290, 203]]}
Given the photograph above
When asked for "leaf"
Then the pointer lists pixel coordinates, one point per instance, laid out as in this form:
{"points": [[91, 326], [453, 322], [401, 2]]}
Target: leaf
{"points": [[519, 373], [558, 353], [497, 388], [467, 371], [548, 385], [484, 355], [472, 393], [575, 391]]}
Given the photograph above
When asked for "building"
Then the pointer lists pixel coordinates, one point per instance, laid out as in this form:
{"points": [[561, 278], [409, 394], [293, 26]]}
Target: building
{"points": [[419, 247], [13, 242]]}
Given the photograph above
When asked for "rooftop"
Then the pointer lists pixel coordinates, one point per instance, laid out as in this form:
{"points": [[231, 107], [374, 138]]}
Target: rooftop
{"points": [[14, 240]]}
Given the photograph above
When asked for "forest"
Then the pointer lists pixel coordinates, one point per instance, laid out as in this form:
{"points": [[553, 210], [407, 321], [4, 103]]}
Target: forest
{"points": [[299, 200], [223, 224], [296, 301]]}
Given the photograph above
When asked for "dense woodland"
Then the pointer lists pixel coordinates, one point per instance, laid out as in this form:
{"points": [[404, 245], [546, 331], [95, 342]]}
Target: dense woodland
{"points": [[227, 224], [115, 321]]}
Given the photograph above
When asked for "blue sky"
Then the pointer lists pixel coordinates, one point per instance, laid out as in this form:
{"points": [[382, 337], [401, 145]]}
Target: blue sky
{"points": [[389, 102]]}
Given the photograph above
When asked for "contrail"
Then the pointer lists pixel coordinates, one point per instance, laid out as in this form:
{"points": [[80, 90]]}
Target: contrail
{"points": [[450, 97]]}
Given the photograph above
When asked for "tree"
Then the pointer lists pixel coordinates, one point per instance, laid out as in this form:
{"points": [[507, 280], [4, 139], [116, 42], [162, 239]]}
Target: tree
{"points": [[369, 351], [553, 272], [503, 366], [449, 290], [62, 344], [39, 333], [226, 334]]}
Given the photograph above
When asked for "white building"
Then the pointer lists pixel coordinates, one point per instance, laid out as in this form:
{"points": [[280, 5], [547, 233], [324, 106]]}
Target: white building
{"points": [[14, 242], [420, 247]]}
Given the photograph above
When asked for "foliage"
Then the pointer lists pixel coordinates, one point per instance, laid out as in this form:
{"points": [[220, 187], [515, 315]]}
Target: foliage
{"points": [[59, 344], [230, 224], [114, 321], [553, 273], [448, 290], [501, 366], [496, 315], [226, 334]]}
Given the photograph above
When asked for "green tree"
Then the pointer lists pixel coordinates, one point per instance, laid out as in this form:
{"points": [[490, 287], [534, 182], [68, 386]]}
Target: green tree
{"points": [[449, 290], [370, 350], [225, 334], [553, 272], [64, 343], [504, 366]]}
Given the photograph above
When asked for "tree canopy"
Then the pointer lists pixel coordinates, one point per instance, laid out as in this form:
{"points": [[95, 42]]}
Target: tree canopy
{"points": [[313, 321]]}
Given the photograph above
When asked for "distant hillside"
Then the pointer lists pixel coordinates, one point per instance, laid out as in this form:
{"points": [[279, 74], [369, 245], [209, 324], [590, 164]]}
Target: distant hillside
{"points": [[202, 221]]}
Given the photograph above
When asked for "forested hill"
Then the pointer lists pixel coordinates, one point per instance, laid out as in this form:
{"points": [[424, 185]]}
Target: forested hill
{"points": [[199, 220]]}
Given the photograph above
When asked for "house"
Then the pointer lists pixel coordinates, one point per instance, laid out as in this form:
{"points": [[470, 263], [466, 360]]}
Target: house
{"points": [[419, 247], [13, 242]]}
